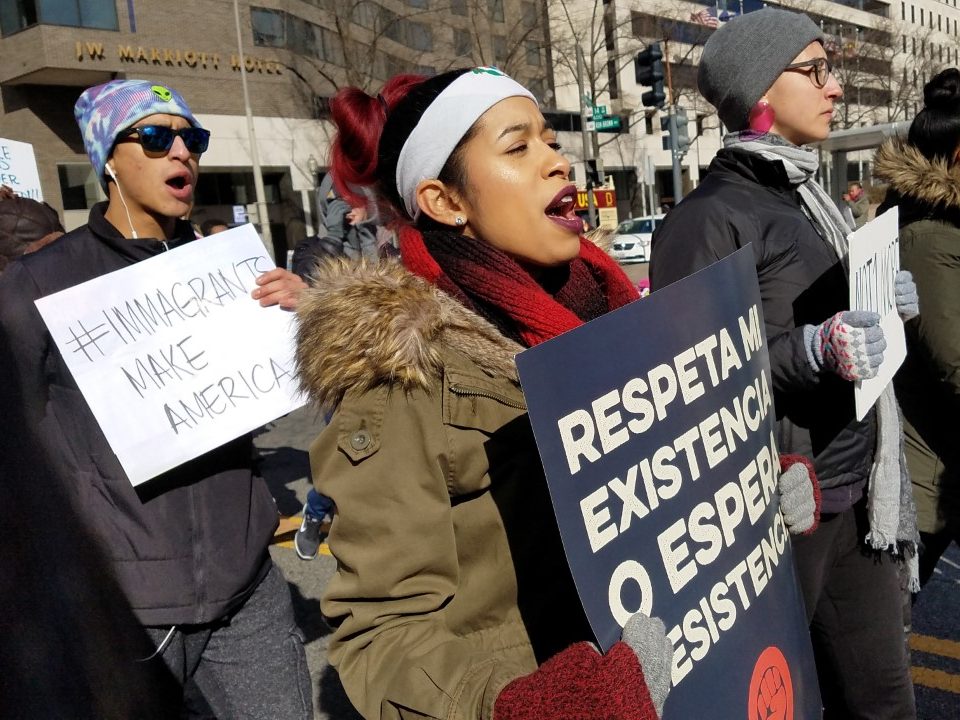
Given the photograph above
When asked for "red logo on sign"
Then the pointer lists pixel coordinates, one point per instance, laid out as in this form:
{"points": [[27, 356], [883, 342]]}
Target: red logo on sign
{"points": [[771, 690]]}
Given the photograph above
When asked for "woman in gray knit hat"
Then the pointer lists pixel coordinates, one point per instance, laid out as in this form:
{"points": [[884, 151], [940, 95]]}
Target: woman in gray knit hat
{"points": [[769, 77]]}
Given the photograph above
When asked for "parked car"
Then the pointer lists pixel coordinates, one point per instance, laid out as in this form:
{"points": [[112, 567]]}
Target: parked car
{"points": [[632, 241]]}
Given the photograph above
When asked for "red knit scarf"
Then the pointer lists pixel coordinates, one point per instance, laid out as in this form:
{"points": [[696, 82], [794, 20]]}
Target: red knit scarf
{"points": [[490, 282]]}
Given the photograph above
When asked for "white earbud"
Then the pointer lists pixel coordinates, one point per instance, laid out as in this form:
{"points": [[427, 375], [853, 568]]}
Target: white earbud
{"points": [[110, 171]]}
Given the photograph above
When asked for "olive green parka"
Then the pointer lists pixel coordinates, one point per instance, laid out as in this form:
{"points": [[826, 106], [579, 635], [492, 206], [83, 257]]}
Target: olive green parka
{"points": [[451, 580], [928, 384]]}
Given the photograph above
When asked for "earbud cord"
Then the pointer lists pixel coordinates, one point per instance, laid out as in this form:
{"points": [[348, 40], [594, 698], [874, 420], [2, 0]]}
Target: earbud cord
{"points": [[133, 230], [161, 647]]}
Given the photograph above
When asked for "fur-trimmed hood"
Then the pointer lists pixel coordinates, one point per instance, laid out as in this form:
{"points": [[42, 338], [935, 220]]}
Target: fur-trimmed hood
{"points": [[362, 325], [913, 176]]}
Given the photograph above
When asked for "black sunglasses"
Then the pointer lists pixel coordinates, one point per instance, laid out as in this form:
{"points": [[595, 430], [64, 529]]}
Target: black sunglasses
{"points": [[159, 138], [821, 70]]}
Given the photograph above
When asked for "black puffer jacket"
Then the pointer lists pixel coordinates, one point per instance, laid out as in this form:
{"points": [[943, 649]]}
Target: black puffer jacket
{"points": [[746, 199], [187, 546]]}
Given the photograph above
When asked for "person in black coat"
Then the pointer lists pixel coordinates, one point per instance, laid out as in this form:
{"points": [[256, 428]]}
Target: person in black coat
{"points": [[768, 75], [188, 549]]}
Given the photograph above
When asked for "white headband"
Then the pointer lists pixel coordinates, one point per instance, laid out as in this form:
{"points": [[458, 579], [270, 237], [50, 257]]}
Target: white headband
{"points": [[446, 120]]}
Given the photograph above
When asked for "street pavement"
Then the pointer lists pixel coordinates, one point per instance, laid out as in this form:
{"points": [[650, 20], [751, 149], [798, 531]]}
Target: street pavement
{"points": [[283, 448]]}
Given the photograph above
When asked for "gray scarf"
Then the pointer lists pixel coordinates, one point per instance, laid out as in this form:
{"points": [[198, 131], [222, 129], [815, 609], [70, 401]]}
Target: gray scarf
{"points": [[892, 514]]}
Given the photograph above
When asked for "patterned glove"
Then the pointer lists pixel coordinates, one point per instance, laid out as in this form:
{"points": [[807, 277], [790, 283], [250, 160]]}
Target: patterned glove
{"points": [[799, 494], [908, 302], [851, 344], [581, 684]]}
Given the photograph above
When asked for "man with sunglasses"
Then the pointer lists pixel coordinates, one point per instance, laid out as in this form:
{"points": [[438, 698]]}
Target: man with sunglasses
{"points": [[189, 548]]}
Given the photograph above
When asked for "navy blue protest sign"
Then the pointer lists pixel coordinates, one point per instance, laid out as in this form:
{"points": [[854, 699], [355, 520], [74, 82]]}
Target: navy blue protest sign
{"points": [[655, 426]]}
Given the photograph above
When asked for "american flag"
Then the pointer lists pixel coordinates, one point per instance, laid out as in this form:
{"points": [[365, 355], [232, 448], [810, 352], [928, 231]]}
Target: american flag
{"points": [[704, 18]]}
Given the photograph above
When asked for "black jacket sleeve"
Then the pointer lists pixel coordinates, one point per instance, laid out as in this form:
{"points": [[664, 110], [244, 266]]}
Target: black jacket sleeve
{"points": [[695, 235], [24, 343]]}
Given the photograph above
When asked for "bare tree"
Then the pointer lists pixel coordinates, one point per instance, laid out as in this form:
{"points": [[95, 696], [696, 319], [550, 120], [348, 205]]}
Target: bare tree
{"points": [[881, 71]]}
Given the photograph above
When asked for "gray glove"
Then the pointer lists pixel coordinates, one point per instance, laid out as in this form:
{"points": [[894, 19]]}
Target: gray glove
{"points": [[647, 637], [851, 344], [908, 302], [799, 494]]}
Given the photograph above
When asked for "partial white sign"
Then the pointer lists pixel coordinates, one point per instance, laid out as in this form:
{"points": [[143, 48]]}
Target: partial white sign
{"points": [[874, 263], [173, 355], [18, 169], [239, 214]]}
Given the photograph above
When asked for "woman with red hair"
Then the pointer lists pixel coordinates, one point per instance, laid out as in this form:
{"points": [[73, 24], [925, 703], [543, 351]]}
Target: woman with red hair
{"points": [[452, 596]]}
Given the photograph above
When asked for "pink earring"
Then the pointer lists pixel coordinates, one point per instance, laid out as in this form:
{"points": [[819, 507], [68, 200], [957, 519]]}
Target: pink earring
{"points": [[761, 118]]}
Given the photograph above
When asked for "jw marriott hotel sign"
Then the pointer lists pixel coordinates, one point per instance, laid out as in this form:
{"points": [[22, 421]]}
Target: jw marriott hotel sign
{"points": [[175, 57]]}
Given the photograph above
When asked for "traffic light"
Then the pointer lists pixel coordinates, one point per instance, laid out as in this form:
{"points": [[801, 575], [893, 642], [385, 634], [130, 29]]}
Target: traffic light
{"points": [[683, 138], [648, 67], [594, 174]]}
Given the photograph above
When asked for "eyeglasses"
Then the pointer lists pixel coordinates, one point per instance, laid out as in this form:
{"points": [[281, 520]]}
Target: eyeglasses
{"points": [[821, 70], [159, 138]]}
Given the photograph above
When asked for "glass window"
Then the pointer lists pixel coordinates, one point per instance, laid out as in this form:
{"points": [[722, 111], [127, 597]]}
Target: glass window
{"points": [[418, 35], [301, 37], [59, 13], [533, 52], [365, 14], [462, 42], [496, 10], [499, 48], [459, 7], [97, 14], [407, 32], [16, 15], [79, 13], [268, 27], [417, 3], [19, 14], [79, 188], [528, 14], [331, 46]]}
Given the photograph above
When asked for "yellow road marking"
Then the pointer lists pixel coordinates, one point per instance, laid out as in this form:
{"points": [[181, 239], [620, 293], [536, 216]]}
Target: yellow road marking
{"points": [[935, 646], [288, 544], [288, 524], [283, 537], [936, 679]]}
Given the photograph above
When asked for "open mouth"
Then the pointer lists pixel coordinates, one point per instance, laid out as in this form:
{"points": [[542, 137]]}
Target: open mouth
{"points": [[560, 209], [177, 183], [562, 205]]}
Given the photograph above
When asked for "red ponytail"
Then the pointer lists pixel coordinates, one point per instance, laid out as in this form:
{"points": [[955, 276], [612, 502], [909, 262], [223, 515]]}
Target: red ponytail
{"points": [[360, 119]]}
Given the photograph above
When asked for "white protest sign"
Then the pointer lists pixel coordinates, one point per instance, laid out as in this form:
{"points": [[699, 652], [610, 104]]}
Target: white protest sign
{"points": [[173, 355], [874, 262], [18, 169]]}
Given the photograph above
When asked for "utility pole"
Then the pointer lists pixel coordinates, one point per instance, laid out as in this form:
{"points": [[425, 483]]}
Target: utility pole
{"points": [[674, 135], [262, 215], [591, 208]]}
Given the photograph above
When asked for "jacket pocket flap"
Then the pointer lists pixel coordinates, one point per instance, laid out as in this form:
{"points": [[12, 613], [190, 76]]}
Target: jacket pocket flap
{"points": [[480, 403]]}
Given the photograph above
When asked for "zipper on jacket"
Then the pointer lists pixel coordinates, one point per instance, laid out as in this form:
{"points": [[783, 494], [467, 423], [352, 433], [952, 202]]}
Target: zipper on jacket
{"points": [[466, 391]]}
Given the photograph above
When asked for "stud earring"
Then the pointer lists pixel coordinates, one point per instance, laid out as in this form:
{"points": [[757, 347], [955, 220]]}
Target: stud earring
{"points": [[460, 221], [761, 118]]}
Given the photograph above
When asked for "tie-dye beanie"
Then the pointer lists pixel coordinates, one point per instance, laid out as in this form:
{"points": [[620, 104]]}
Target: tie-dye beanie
{"points": [[104, 111]]}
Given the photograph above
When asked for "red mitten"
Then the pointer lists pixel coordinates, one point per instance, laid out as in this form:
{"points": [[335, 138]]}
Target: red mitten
{"points": [[799, 494], [580, 684]]}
